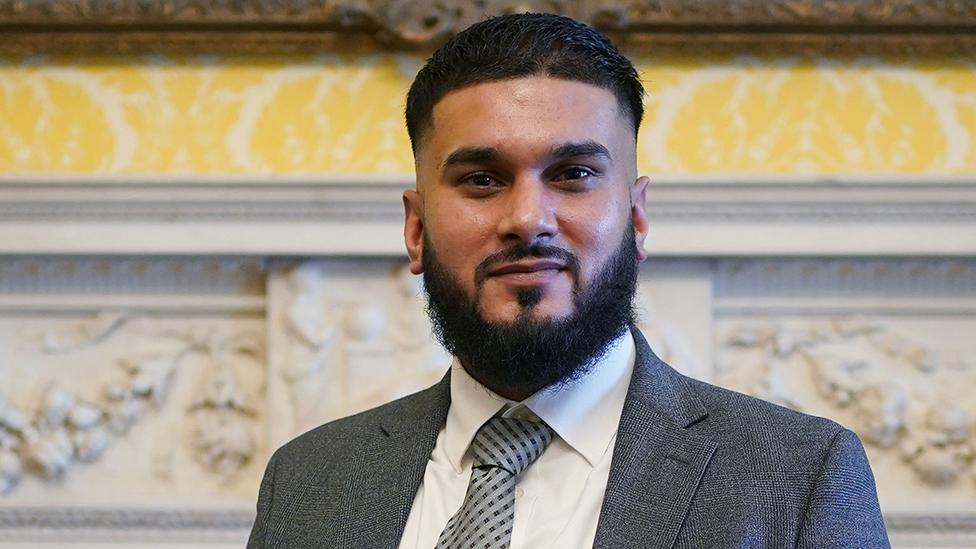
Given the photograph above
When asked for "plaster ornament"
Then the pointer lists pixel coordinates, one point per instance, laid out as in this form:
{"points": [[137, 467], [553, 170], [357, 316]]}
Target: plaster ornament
{"points": [[410, 325], [50, 455], [666, 338], [151, 376], [8, 440], [848, 328], [56, 405], [365, 322], [124, 413], [115, 392], [222, 438], [84, 416], [85, 333], [926, 360], [66, 430], [10, 417], [947, 425], [750, 336], [938, 466], [311, 324], [10, 470], [222, 442], [880, 414], [838, 378], [90, 444], [890, 344], [306, 315], [789, 339], [222, 391], [940, 449]]}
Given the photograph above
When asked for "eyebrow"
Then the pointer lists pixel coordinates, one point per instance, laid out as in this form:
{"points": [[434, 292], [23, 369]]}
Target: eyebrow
{"points": [[472, 155], [579, 148], [477, 155]]}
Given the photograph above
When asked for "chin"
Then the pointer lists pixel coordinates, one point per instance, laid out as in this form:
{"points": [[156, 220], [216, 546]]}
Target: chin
{"points": [[537, 314], [554, 313]]}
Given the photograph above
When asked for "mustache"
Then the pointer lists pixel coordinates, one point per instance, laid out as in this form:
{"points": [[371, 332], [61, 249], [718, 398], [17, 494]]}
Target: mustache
{"points": [[519, 252]]}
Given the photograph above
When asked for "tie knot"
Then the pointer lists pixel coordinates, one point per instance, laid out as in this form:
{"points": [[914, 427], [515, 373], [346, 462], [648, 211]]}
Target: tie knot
{"points": [[509, 443]]}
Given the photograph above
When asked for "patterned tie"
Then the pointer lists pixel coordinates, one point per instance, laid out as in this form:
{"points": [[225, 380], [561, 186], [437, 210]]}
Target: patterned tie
{"points": [[502, 449]]}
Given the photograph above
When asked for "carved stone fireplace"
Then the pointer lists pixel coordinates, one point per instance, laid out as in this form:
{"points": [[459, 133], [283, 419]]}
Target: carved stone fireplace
{"points": [[160, 337]]}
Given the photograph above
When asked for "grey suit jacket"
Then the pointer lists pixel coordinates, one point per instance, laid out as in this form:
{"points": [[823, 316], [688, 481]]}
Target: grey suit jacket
{"points": [[694, 466]]}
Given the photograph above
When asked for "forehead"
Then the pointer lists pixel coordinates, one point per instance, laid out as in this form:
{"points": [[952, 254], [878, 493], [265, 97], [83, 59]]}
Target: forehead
{"points": [[524, 112]]}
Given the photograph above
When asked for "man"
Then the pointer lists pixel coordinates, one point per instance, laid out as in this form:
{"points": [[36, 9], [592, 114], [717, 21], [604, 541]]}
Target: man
{"points": [[556, 426]]}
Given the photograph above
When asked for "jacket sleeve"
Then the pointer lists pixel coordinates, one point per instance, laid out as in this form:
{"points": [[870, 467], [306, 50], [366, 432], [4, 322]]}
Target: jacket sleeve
{"points": [[257, 539], [843, 510]]}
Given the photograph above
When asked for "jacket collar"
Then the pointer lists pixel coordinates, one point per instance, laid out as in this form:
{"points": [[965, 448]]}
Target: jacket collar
{"points": [[377, 500], [658, 459]]}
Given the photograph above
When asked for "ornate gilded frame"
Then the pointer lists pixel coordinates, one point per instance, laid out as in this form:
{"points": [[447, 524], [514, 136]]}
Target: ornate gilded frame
{"points": [[930, 27]]}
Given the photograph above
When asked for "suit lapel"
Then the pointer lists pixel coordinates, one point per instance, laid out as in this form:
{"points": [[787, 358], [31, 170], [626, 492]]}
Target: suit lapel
{"points": [[658, 461], [378, 494]]}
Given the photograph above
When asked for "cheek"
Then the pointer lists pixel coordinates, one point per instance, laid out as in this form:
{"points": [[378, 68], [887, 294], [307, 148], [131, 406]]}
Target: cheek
{"points": [[597, 237], [460, 240]]}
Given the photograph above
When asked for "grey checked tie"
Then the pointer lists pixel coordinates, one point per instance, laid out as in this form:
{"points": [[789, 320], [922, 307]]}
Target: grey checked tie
{"points": [[502, 449]]}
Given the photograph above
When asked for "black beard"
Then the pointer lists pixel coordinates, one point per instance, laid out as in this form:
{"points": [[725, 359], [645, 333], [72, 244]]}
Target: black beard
{"points": [[527, 354]]}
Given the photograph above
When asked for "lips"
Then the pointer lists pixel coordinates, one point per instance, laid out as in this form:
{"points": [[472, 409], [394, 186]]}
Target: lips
{"points": [[521, 267]]}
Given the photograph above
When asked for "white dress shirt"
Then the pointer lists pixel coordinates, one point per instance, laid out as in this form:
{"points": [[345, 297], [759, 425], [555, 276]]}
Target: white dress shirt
{"points": [[557, 498]]}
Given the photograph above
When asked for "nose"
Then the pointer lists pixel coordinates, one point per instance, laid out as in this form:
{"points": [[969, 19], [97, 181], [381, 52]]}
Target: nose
{"points": [[530, 213]]}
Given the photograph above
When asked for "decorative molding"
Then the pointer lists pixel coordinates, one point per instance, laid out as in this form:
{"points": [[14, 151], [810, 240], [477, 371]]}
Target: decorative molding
{"points": [[909, 285], [92, 284], [363, 216], [362, 198], [157, 276], [228, 525], [932, 524], [932, 27], [124, 524]]}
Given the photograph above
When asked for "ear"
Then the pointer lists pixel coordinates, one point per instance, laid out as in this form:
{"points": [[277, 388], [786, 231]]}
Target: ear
{"points": [[413, 229], [638, 197]]}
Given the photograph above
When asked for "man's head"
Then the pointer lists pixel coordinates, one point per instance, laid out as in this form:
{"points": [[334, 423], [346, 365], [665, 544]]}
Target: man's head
{"points": [[528, 219], [513, 46]]}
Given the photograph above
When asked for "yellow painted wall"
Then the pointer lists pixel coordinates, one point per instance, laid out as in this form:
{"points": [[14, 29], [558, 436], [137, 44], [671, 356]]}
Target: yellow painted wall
{"points": [[342, 113]]}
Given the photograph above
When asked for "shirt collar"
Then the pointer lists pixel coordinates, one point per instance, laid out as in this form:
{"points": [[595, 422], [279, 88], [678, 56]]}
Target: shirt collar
{"points": [[584, 413]]}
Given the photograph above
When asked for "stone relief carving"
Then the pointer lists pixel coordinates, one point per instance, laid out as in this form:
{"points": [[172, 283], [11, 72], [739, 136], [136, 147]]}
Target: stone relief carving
{"points": [[899, 395], [66, 428], [666, 337], [86, 333], [223, 437], [341, 332], [106, 527]]}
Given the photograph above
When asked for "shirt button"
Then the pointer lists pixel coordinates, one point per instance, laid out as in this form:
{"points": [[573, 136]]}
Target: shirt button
{"points": [[519, 493]]}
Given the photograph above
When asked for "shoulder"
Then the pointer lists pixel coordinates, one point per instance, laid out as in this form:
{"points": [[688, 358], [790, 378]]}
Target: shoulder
{"points": [[779, 437], [344, 439]]}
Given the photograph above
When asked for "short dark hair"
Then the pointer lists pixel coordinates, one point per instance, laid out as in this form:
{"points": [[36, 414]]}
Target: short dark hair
{"points": [[512, 46]]}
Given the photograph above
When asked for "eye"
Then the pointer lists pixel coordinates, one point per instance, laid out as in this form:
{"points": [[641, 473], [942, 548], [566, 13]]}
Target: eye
{"points": [[574, 174], [481, 180]]}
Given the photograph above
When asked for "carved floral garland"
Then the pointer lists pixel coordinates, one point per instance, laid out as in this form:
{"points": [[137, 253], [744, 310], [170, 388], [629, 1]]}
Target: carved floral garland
{"points": [[67, 429]]}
